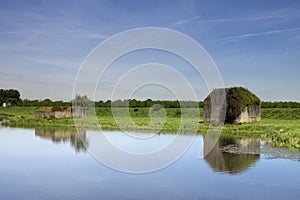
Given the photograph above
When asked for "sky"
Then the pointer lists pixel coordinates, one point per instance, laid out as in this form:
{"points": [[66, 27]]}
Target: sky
{"points": [[254, 44]]}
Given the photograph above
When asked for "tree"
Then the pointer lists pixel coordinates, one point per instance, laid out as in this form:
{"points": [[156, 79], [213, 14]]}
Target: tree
{"points": [[46, 102], [9, 95], [83, 101]]}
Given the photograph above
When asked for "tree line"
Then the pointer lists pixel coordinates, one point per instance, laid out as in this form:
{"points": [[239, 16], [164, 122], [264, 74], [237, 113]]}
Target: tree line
{"points": [[133, 103], [280, 104], [13, 96]]}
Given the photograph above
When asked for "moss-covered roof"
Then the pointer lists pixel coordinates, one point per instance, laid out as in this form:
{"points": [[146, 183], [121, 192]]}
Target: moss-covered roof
{"points": [[238, 99]]}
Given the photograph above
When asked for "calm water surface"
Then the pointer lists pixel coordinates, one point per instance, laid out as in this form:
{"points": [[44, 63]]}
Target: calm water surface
{"points": [[44, 164]]}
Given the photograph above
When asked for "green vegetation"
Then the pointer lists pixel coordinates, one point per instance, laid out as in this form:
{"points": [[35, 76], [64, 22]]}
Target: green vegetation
{"points": [[83, 101], [279, 126], [58, 108], [239, 98], [13, 96], [9, 96], [280, 104]]}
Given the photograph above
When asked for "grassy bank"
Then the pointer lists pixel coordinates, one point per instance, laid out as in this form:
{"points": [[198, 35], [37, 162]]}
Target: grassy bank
{"points": [[279, 126]]}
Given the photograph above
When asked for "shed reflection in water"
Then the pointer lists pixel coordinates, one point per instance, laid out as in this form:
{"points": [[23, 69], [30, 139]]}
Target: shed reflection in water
{"points": [[233, 156]]}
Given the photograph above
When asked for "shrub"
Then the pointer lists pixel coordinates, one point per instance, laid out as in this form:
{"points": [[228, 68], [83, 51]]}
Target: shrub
{"points": [[58, 108]]}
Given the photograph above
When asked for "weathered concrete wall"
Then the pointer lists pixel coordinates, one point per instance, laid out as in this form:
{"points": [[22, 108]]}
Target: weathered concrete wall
{"points": [[62, 114], [252, 114], [215, 106], [44, 114], [69, 112]]}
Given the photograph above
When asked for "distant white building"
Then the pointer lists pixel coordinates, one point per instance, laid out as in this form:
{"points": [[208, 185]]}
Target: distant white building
{"points": [[7, 104]]}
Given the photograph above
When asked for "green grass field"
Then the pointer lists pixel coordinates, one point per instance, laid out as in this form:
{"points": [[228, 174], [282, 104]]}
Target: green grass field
{"points": [[279, 126]]}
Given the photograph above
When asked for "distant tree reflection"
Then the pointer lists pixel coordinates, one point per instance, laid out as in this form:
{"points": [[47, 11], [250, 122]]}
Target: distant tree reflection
{"points": [[77, 138]]}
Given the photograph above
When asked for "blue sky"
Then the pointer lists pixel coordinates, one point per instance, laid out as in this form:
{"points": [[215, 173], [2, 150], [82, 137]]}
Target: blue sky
{"points": [[255, 44]]}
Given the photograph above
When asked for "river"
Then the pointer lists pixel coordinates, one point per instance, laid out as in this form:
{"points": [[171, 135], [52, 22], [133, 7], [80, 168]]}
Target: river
{"points": [[58, 164]]}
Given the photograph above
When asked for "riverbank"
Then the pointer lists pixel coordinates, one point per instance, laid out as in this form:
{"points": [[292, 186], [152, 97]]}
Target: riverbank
{"points": [[279, 126]]}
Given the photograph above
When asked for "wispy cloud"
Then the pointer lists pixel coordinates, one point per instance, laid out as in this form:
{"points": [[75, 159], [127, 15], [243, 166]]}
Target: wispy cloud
{"points": [[247, 19], [227, 20], [186, 21], [77, 34], [249, 35], [88, 35], [59, 63]]}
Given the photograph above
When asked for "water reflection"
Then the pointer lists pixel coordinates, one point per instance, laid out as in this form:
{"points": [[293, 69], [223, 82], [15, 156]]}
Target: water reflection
{"points": [[77, 138], [233, 156], [33, 168], [229, 155]]}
